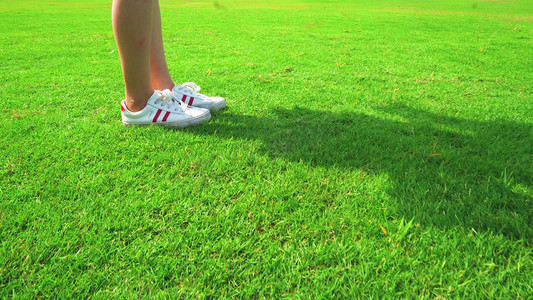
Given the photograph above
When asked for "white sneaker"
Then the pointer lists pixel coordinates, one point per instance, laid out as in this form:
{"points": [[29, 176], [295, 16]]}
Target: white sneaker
{"points": [[188, 93], [162, 110]]}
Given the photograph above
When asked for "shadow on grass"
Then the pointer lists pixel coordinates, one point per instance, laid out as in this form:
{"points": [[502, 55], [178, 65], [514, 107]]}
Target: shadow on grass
{"points": [[482, 179]]}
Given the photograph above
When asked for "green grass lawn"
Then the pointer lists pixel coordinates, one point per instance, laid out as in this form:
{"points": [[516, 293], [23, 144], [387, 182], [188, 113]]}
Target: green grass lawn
{"points": [[370, 149]]}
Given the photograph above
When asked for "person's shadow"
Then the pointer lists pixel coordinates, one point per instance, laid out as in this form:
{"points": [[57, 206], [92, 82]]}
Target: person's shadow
{"points": [[443, 171]]}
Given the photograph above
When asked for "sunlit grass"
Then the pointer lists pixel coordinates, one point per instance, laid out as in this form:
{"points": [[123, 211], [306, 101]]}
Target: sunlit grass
{"points": [[369, 149]]}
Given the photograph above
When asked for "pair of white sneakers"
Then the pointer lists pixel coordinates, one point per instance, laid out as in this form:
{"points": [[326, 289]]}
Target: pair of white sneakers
{"points": [[183, 106]]}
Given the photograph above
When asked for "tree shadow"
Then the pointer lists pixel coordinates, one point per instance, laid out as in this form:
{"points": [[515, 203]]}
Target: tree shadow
{"points": [[444, 171]]}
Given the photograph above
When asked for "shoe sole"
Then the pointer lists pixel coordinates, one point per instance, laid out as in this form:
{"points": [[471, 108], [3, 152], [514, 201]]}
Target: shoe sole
{"points": [[181, 124], [218, 106], [215, 107]]}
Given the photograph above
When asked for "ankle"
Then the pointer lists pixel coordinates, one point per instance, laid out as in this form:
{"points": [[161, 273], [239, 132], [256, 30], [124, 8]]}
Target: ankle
{"points": [[138, 103], [161, 85]]}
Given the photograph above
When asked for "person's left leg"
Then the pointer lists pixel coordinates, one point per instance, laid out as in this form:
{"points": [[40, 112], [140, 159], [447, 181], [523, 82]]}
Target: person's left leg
{"points": [[132, 26], [161, 79]]}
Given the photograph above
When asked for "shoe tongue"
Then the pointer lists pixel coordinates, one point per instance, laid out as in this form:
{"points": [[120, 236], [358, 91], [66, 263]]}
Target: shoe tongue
{"points": [[154, 96], [177, 88]]}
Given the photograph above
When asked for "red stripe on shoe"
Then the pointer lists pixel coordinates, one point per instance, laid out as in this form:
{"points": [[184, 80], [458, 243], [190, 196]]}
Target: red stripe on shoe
{"points": [[166, 116], [184, 98], [122, 107], [157, 115], [191, 100]]}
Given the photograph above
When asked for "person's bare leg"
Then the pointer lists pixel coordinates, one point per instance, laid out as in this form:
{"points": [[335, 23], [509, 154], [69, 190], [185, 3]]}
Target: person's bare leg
{"points": [[160, 78], [132, 26]]}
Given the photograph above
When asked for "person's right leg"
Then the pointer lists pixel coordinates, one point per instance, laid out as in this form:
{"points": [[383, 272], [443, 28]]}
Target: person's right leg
{"points": [[161, 79], [132, 26]]}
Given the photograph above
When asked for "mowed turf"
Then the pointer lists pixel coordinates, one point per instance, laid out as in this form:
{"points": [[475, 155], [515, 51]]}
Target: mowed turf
{"points": [[370, 149]]}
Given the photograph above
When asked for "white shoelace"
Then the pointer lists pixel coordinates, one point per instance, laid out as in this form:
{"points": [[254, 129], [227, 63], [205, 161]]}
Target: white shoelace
{"points": [[167, 99], [190, 88]]}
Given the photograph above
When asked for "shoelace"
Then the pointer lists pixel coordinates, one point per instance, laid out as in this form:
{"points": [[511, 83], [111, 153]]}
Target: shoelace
{"points": [[190, 88], [168, 100]]}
